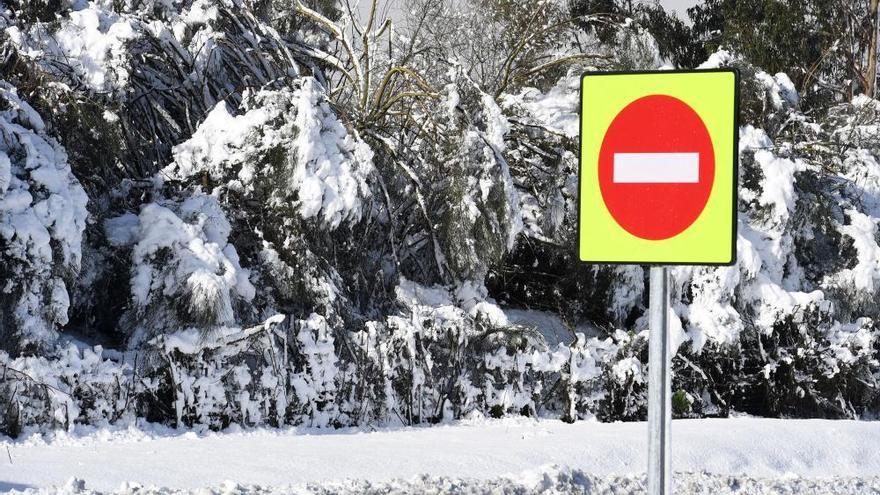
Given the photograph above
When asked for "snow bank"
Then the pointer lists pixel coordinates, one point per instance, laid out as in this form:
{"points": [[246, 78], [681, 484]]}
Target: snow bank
{"points": [[797, 453], [546, 480]]}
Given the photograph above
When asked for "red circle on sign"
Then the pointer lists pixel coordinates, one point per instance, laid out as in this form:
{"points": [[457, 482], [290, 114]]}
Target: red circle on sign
{"points": [[656, 167]]}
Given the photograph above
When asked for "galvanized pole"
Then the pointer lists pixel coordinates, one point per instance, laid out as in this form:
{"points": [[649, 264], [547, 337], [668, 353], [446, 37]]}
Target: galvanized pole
{"points": [[659, 386]]}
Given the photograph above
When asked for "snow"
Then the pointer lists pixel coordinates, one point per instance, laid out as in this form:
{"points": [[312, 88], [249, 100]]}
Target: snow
{"points": [[5, 173], [69, 370], [331, 166], [863, 231], [779, 88], [315, 384], [219, 140], [628, 367], [122, 230], [544, 480], [202, 249], [181, 256], [411, 293], [322, 167], [42, 219], [778, 183], [862, 170], [558, 109], [473, 297], [791, 452], [718, 59], [548, 324], [497, 125], [764, 245], [95, 42], [90, 39]]}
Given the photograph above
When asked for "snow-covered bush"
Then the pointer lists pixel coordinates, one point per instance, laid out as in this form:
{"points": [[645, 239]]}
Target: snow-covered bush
{"points": [[233, 376], [440, 361], [480, 207], [42, 219], [793, 321], [294, 181], [66, 387], [184, 272], [314, 376], [160, 67], [285, 148]]}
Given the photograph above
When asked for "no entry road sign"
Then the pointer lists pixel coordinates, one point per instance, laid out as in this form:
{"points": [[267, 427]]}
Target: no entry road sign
{"points": [[658, 167]]}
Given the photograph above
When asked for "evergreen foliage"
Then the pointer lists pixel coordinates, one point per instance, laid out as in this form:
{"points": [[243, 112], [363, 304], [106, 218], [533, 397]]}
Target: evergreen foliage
{"points": [[236, 212]]}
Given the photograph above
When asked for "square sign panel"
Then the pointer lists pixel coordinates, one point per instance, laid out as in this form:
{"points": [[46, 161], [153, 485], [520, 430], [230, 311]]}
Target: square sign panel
{"points": [[658, 167]]}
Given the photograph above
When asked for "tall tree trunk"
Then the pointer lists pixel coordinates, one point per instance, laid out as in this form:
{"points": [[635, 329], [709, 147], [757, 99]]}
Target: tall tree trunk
{"points": [[871, 70]]}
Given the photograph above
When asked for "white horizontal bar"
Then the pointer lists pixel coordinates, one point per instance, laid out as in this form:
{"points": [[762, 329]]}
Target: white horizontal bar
{"points": [[637, 168]]}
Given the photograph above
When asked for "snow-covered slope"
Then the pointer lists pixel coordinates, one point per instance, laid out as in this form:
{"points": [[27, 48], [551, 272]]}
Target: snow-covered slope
{"points": [[476, 452]]}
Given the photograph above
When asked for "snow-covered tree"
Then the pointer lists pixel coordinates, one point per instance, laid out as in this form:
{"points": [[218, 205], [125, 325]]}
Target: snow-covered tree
{"points": [[42, 219]]}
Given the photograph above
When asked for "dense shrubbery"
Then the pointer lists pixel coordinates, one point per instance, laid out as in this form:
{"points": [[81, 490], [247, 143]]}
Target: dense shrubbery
{"points": [[213, 214], [436, 363]]}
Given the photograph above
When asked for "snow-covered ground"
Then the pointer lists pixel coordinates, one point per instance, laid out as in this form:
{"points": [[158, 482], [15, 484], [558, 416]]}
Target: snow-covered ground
{"points": [[739, 455]]}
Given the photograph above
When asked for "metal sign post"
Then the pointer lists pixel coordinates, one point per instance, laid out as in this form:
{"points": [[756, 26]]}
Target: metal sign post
{"points": [[658, 182], [659, 386]]}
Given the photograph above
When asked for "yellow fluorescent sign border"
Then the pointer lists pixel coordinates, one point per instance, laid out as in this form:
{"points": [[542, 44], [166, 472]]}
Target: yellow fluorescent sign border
{"points": [[711, 239]]}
